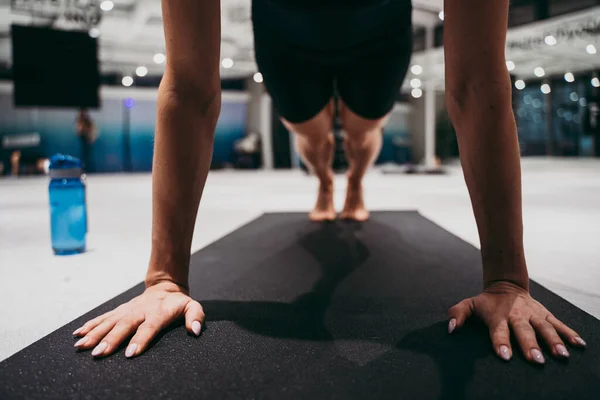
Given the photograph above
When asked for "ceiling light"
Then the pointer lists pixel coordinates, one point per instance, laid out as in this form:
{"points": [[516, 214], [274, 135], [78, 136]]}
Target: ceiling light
{"points": [[539, 72], [520, 84], [416, 93], [141, 71], [127, 81], [591, 49], [94, 32], [545, 88], [441, 15], [258, 78], [550, 40], [595, 82], [415, 83], [510, 65], [569, 77], [416, 69], [227, 63], [159, 58], [107, 5]]}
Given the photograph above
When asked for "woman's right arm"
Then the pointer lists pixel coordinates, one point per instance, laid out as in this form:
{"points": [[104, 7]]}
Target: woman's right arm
{"points": [[189, 100]]}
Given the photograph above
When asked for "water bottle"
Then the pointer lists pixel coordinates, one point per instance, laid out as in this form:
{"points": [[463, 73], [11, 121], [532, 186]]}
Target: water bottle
{"points": [[68, 214]]}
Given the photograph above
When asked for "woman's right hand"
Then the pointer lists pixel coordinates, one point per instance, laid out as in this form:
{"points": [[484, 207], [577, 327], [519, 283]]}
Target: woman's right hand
{"points": [[143, 317]]}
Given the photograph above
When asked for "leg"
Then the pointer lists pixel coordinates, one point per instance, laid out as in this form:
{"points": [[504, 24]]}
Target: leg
{"points": [[301, 89], [368, 89], [314, 141], [362, 144]]}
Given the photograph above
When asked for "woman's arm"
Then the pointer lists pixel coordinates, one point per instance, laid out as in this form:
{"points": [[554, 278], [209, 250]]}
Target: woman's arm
{"points": [[478, 98], [189, 100], [189, 103]]}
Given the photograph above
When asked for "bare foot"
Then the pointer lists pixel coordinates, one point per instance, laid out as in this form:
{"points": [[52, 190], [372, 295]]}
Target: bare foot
{"points": [[354, 208], [324, 209]]}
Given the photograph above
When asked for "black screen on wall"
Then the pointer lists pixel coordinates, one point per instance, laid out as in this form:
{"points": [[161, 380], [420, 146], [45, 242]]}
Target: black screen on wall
{"points": [[54, 68]]}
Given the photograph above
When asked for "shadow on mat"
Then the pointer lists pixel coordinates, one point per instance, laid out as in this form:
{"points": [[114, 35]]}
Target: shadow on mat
{"points": [[339, 251]]}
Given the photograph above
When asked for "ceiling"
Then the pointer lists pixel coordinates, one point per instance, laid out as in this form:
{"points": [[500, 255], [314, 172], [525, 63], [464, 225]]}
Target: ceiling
{"points": [[131, 33], [526, 48]]}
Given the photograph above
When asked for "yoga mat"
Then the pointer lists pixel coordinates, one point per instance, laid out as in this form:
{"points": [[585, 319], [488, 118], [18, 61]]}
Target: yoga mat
{"points": [[299, 310]]}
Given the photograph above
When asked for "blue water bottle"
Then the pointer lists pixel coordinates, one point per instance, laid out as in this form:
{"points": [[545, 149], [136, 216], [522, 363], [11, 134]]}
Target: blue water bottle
{"points": [[68, 214]]}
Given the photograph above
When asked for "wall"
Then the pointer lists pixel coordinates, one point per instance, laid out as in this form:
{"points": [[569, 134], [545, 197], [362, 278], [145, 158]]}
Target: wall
{"points": [[416, 123], [396, 131], [57, 127]]}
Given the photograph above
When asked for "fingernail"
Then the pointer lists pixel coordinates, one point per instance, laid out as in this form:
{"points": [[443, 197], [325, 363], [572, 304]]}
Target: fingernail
{"points": [[537, 356], [99, 349], [562, 350], [580, 341], [452, 325], [504, 352], [131, 349], [82, 341], [77, 331], [196, 327]]}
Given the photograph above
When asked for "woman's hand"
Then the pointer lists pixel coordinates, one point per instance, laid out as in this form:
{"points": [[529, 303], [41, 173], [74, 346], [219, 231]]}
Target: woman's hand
{"points": [[144, 317], [505, 306]]}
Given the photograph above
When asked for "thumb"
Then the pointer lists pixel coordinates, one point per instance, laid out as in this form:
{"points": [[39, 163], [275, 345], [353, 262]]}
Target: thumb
{"points": [[459, 314], [194, 317]]}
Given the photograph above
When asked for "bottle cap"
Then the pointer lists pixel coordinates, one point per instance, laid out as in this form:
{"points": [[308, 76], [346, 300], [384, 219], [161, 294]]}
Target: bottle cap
{"points": [[64, 166]]}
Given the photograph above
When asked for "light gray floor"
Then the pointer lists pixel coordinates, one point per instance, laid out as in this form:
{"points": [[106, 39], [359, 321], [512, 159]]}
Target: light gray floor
{"points": [[40, 292]]}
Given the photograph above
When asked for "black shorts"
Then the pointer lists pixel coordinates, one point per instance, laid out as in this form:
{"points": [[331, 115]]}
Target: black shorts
{"points": [[305, 56]]}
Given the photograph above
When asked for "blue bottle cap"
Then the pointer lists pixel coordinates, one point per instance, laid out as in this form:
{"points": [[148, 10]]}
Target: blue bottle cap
{"points": [[64, 166]]}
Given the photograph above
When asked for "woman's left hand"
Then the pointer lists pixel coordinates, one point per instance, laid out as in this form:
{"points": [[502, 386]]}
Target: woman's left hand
{"points": [[504, 306]]}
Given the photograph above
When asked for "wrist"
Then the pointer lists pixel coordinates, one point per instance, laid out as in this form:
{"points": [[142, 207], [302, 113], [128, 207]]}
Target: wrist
{"points": [[167, 264], [159, 272], [514, 273], [166, 286], [506, 265], [153, 279]]}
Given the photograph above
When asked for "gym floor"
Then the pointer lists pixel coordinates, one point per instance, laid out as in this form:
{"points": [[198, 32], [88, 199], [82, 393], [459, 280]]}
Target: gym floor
{"points": [[41, 292]]}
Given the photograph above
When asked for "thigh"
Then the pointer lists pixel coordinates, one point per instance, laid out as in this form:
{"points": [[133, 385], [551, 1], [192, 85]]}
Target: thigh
{"points": [[370, 85], [317, 127], [357, 126], [299, 87]]}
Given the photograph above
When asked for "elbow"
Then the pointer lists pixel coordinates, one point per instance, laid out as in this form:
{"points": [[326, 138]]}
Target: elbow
{"points": [[205, 104], [469, 100], [201, 100]]}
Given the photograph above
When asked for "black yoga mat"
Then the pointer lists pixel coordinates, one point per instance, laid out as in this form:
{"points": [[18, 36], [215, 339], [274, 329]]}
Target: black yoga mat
{"points": [[298, 310]]}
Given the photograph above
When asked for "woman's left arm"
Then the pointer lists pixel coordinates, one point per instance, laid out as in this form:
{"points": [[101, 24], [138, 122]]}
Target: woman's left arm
{"points": [[479, 102]]}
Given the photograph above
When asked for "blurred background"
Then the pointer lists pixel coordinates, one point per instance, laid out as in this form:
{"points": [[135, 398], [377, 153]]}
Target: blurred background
{"points": [[551, 52], [80, 78]]}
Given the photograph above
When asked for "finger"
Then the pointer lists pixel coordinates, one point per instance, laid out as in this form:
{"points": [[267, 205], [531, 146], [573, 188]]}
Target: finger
{"points": [[500, 335], [459, 314], [144, 335], [194, 317], [525, 335], [122, 330], [550, 336], [91, 324], [96, 335], [567, 333]]}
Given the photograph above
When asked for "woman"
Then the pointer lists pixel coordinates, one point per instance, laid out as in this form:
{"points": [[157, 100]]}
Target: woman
{"points": [[478, 93], [86, 132]]}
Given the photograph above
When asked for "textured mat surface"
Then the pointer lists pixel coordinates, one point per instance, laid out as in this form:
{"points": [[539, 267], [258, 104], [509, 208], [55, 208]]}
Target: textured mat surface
{"points": [[298, 310]]}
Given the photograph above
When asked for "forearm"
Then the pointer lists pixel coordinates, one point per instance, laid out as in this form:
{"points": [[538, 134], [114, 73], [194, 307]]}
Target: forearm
{"points": [[182, 155], [478, 97], [489, 153]]}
